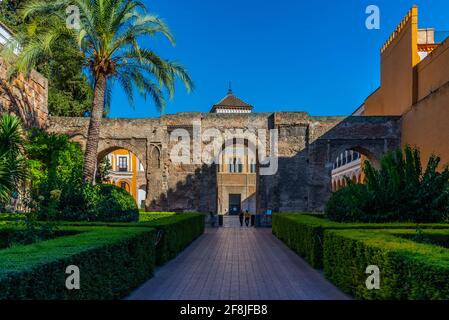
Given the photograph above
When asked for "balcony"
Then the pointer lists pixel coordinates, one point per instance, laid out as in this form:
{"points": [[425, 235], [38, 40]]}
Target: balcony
{"points": [[237, 179]]}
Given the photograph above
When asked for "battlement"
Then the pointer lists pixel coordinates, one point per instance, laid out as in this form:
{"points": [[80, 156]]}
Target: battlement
{"points": [[413, 13]]}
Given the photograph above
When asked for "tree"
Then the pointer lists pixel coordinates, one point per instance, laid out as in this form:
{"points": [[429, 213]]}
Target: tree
{"points": [[103, 170], [9, 16], [106, 35], [400, 190], [13, 168], [70, 93]]}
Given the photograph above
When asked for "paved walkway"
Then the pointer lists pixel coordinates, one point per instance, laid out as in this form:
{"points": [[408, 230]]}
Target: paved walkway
{"points": [[237, 264]]}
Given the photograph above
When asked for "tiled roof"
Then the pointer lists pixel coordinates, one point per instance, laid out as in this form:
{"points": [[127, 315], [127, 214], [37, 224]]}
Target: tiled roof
{"points": [[232, 102]]}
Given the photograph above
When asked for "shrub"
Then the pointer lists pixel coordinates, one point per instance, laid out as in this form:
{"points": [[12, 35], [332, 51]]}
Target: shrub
{"points": [[116, 205], [399, 191], [13, 169], [174, 232], [106, 203], [304, 233], [112, 263], [408, 270], [177, 232], [150, 216], [56, 173]]}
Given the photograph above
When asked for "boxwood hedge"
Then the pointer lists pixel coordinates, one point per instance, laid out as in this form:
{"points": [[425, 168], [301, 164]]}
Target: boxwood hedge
{"points": [[304, 233], [112, 262], [408, 270], [174, 231]]}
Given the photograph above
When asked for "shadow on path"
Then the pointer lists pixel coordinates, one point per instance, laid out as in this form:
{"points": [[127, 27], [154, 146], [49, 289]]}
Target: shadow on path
{"points": [[237, 264]]}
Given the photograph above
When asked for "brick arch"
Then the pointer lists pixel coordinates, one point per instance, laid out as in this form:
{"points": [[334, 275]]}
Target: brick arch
{"points": [[107, 146], [372, 150], [322, 158]]}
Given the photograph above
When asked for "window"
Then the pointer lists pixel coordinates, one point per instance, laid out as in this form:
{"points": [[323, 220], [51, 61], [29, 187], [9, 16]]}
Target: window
{"points": [[239, 165], [123, 164], [232, 166], [236, 166], [124, 186], [141, 168], [253, 166]]}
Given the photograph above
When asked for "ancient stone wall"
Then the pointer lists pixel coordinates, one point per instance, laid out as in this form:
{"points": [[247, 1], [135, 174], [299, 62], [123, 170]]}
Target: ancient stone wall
{"points": [[307, 147], [27, 98]]}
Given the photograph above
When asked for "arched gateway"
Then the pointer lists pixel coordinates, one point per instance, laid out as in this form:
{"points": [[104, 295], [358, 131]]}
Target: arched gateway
{"points": [[307, 148]]}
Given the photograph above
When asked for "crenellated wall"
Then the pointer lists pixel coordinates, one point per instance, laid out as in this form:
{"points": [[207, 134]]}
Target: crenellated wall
{"points": [[416, 88]]}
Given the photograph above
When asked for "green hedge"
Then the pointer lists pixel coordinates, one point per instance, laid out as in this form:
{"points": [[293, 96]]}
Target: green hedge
{"points": [[150, 216], [112, 262], [408, 270], [304, 233], [177, 231]]}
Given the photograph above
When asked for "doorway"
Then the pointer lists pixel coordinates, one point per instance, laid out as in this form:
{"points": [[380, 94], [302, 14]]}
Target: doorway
{"points": [[235, 204]]}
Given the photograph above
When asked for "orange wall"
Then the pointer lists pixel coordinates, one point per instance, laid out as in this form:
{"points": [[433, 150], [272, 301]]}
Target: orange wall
{"points": [[426, 126], [398, 57], [433, 71], [133, 165], [417, 90]]}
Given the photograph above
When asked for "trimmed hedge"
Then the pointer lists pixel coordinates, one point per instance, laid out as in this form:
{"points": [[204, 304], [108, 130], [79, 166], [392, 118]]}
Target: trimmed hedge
{"points": [[11, 217], [112, 262], [408, 270], [304, 233], [150, 216], [176, 231]]}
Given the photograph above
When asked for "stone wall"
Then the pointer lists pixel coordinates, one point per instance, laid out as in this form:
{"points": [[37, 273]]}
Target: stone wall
{"points": [[307, 148], [26, 98]]}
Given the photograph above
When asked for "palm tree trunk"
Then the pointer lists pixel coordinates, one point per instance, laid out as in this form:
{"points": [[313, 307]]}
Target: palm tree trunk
{"points": [[93, 135]]}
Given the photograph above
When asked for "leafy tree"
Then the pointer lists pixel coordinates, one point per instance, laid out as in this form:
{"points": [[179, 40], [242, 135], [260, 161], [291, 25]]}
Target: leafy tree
{"points": [[399, 191], [55, 172], [70, 93], [13, 169], [9, 16], [108, 41]]}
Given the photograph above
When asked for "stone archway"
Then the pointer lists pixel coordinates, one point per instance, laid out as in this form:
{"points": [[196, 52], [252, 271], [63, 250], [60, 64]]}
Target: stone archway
{"points": [[237, 176], [322, 157], [307, 147], [139, 151]]}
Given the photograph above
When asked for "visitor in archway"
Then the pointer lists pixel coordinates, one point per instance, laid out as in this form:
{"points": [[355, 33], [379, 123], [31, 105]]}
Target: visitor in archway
{"points": [[241, 216], [247, 217]]}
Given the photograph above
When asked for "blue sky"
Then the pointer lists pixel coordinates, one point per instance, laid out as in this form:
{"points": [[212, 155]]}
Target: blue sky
{"points": [[284, 55]]}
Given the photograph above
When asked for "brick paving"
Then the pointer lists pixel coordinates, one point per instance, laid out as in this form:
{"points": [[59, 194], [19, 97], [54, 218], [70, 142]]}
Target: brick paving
{"points": [[237, 264]]}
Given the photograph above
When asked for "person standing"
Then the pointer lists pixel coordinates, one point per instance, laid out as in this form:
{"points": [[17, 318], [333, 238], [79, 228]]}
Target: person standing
{"points": [[241, 218], [247, 217]]}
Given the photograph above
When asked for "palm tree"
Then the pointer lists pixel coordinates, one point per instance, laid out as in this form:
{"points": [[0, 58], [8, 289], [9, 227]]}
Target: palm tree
{"points": [[12, 159], [108, 39]]}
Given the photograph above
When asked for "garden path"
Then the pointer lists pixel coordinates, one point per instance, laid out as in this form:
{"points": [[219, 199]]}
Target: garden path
{"points": [[237, 264]]}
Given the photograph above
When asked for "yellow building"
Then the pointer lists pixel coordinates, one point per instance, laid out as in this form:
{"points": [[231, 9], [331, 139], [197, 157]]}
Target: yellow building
{"points": [[237, 170], [415, 85], [128, 173]]}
